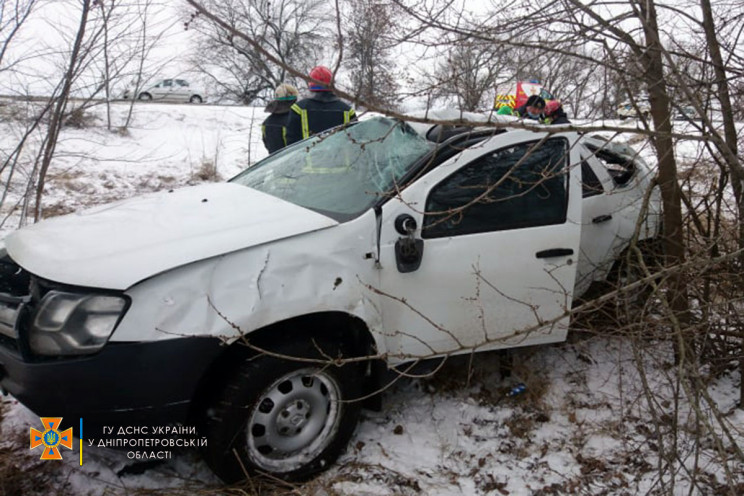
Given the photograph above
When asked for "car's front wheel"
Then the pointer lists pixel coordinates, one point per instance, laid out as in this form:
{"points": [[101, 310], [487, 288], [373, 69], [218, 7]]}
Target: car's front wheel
{"points": [[287, 418], [195, 99], [145, 97]]}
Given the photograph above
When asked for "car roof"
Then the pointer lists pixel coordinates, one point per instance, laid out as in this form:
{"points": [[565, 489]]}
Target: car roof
{"points": [[462, 123]]}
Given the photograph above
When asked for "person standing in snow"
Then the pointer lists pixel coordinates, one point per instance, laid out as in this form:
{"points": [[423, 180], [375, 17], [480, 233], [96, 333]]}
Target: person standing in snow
{"points": [[323, 110], [274, 127], [545, 113]]}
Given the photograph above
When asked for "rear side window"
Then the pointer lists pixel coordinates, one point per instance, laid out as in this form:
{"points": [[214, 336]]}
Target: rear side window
{"points": [[519, 186], [620, 166], [590, 183]]}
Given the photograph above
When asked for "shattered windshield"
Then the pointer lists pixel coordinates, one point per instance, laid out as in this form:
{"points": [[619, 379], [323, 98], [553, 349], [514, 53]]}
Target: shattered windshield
{"points": [[344, 173]]}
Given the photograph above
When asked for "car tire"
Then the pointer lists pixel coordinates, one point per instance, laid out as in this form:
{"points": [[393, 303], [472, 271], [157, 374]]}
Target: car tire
{"points": [[286, 418], [145, 97], [195, 99]]}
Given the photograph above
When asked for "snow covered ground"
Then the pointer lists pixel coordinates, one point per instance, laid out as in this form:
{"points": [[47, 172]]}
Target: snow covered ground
{"points": [[582, 426]]}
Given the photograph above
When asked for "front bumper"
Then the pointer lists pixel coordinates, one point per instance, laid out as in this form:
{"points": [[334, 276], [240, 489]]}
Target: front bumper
{"points": [[124, 384]]}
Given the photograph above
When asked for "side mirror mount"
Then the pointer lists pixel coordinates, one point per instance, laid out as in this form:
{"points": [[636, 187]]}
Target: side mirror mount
{"points": [[405, 224], [409, 250]]}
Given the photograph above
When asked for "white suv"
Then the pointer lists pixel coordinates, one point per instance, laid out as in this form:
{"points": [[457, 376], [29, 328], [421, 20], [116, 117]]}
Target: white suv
{"points": [[259, 309], [175, 90]]}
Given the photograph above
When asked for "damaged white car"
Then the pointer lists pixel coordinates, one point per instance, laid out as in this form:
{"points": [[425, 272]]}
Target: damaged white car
{"points": [[384, 241]]}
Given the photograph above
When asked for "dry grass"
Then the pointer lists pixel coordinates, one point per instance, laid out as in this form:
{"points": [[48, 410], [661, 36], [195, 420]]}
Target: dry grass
{"points": [[56, 210], [207, 172], [16, 111], [80, 119], [22, 473], [256, 486]]}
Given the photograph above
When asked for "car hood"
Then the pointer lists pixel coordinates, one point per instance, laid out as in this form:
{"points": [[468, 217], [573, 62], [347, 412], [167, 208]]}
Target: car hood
{"points": [[117, 245]]}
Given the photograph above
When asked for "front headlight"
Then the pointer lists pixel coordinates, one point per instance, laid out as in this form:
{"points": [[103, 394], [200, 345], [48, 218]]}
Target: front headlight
{"points": [[74, 323]]}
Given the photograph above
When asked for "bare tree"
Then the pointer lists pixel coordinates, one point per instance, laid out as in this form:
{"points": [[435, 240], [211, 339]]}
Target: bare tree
{"points": [[96, 57], [469, 75], [55, 123], [370, 36], [143, 37], [12, 17], [13, 14], [292, 31]]}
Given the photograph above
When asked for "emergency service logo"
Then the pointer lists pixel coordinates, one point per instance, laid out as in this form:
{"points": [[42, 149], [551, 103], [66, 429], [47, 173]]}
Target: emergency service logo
{"points": [[51, 438]]}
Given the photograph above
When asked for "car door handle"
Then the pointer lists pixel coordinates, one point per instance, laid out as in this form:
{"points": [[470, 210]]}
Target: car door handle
{"points": [[554, 252], [601, 218]]}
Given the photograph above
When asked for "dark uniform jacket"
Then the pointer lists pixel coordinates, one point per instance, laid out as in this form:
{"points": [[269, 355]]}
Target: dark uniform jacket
{"points": [[558, 116], [313, 115], [274, 127]]}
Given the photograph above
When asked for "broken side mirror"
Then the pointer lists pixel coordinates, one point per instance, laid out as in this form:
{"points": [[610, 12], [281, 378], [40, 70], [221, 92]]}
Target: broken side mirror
{"points": [[409, 250]]}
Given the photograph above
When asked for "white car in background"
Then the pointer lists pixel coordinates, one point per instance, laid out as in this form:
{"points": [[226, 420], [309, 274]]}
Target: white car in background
{"points": [[628, 110], [172, 90], [384, 239]]}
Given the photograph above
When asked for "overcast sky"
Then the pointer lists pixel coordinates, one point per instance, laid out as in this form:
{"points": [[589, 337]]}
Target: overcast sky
{"points": [[42, 47]]}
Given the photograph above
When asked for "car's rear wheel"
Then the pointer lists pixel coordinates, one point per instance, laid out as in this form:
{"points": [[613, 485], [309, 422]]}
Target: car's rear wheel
{"points": [[287, 418], [195, 99], [145, 97]]}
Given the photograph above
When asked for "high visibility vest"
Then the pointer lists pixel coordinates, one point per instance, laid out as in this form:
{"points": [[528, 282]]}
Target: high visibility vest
{"points": [[305, 124]]}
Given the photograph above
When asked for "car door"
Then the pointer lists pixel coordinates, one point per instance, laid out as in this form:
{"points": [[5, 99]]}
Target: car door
{"points": [[498, 273], [182, 90], [164, 90], [599, 224]]}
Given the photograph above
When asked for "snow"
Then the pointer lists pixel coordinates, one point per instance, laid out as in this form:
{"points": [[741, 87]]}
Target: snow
{"points": [[583, 425], [165, 146]]}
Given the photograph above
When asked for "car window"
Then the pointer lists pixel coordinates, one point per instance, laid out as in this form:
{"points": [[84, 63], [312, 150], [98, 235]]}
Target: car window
{"points": [[590, 183], [519, 186], [619, 165], [181, 82], [343, 173], [168, 83]]}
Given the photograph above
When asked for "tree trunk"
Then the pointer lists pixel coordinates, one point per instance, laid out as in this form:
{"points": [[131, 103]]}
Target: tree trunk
{"points": [[729, 149], [674, 246], [55, 123]]}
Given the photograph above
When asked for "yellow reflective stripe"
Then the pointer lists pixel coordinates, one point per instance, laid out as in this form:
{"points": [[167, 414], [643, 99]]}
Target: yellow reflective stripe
{"points": [[348, 115], [303, 120], [284, 135], [508, 100], [263, 131]]}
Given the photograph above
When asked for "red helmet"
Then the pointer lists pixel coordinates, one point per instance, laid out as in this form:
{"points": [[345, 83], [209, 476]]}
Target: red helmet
{"points": [[324, 75], [552, 106]]}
